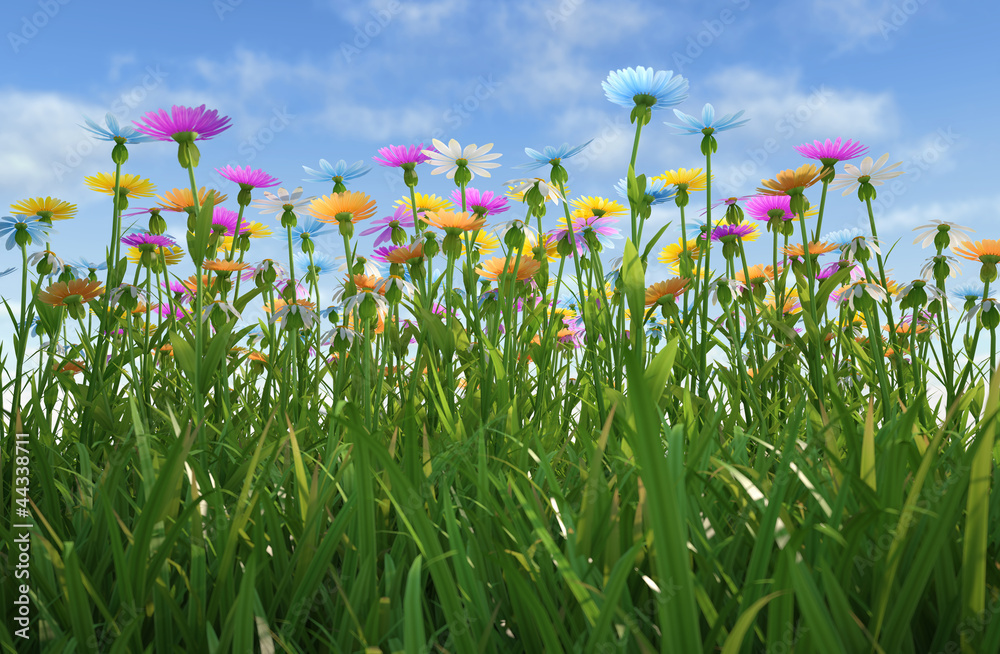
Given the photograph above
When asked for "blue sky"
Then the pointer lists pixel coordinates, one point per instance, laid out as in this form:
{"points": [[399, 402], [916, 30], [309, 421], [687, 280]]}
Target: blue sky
{"points": [[309, 80]]}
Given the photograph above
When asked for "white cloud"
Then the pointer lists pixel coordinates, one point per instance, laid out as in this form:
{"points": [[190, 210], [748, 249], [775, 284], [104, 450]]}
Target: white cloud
{"points": [[973, 212]]}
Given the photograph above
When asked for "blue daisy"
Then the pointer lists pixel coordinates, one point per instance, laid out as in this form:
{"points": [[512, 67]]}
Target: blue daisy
{"points": [[86, 266], [844, 237], [306, 228], [551, 155], [4, 273], [34, 227], [708, 121], [658, 189], [330, 173], [115, 130], [323, 263], [641, 86], [969, 291]]}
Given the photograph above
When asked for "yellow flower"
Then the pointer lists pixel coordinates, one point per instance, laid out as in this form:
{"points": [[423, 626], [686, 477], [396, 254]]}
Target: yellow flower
{"points": [[694, 178], [180, 199], [355, 205], [426, 202], [805, 176], [485, 243], [587, 206], [51, 208], [172, 255], [133, 185]]}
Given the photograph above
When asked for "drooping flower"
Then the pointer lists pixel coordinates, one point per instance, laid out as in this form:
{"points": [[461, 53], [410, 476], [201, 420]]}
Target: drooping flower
{"points": [[933, 264], [247, 178], [481, 203], [182, 123], [492, 268], [708, 124], [402, 218], [674, 287], [397, 156], [133, 185], [50, 258], [831, 152], [341, 207], [276, 202], [802, 177], [114, 130], [180, 199], [337, 173], [32, 228], [586, 206], [47, 208], [551, 155], [450, 158], [646, 88], [873, 174]]}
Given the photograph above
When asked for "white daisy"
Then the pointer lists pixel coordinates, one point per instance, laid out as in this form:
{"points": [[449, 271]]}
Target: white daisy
{"points": [[275, 202], [449, 157], [851, 176]]}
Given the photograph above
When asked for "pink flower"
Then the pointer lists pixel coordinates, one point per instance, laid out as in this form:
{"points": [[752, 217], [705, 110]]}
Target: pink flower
{"points": [[403, 217], [484, 203], [765, 207], [197, 121], [247, 177], [831, 152], [396, 156]]}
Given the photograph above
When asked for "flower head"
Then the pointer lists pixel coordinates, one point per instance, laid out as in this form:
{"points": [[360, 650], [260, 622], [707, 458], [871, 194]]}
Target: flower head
{"points": [[551, 155], [646, 88], [30, 228], [481, 203], [72, 294], [950, 232], [517, 188], [671, 254], [831, 152], [400, 253], [484, 243], [183, 124], [797, 250], [247, 177], [402, 218], [276, 202], [151, 241], [843, 237], [453, 220], [802, 177], [586, 206], [114, 131], [425, 202], [745, 231], [600, 228], [691, 179], [673, 287], [396, 156], [985, 251], [133, 185], [48, 209], [180, 199], [657, 191], [708, 123], [338, 173], [493, 268], [770, 207], [872, 174], [341, 207], [450, 158], [862, 289]]}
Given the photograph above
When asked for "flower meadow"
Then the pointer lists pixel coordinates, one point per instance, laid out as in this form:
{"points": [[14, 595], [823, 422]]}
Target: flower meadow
{"points": [[493, 436]]}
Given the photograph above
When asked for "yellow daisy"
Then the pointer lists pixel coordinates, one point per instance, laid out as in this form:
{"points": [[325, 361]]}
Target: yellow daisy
{"points": [[426, 202], [50, 208], [133, 185], [587, 206], [172, 255], [485, 243], [693, 178]]}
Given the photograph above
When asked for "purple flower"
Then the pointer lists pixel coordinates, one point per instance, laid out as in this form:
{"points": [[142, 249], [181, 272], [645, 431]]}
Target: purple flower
{"points": [[766, 207], [831, 152], [403, 217], [828, 271], [601, 226], [246, 177], [195, 122], [483, 203], [395, 156], [226, 219], [739, 231], [139, 239]]}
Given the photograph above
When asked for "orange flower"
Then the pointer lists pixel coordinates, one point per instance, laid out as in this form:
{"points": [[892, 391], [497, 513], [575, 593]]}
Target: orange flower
{"points": [[257, 356], [350, 205], [492, 268], [191, 283], [453, 220], [759, 274], [79, 290], [985, 251], [815, 248], [221, 265], [674, 286], [72, 367], [280, 304], [404, 253], [180, 199], [805, 176]]}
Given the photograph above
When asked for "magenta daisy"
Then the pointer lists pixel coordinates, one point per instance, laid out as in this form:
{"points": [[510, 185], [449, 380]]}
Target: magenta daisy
{"points": [[183, 124], [601, 227], [739, 231], [831, 152], [247, 178], [767, 207], [402, 218], [226, 219], [138, 239], [397, 156], [481, 203]]}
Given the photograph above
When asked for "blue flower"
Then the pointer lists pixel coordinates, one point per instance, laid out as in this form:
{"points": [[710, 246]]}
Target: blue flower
{"points": [[844, 237], [551, 155], [970, 291], [658, 189], [329, 173], [129, 133], [34, 227], [708, 121], [306, 228], [640, 86], [4, 273], [86, 266], [323, 263]]}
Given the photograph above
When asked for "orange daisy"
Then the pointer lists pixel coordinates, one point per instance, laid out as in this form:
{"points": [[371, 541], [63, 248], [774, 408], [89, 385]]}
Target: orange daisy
{"points": [[674, 286], [461, 221], [985, 251], [180, 199], [280, 304], [257, 356], [350, 205], [493, 268], [76, 290], [221, 265], [71, 367], [805, 176], [815, 248], [404, 253], [759, 274]]}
